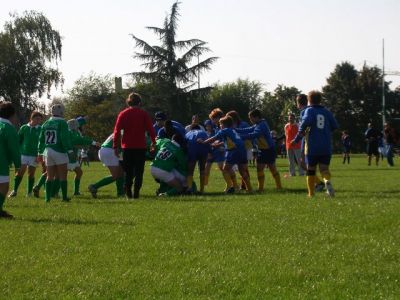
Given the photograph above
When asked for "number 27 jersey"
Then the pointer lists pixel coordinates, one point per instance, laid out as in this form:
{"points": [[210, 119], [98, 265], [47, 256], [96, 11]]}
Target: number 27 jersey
{"points": [[318, 123], [54, 134]]}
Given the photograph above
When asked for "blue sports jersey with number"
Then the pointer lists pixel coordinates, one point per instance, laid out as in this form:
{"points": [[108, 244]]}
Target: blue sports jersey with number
{"points": [[231, 139], [317, 124]]}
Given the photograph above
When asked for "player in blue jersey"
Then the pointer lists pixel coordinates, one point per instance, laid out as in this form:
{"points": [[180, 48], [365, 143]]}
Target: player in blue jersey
{"points": [[316, 127], [235, 153], [346, 143], [197, 153], [161, 128], [266, 147]]}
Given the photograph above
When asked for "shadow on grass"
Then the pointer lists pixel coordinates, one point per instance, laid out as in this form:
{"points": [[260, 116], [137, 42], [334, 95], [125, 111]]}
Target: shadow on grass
{"points": [[64, 221]]}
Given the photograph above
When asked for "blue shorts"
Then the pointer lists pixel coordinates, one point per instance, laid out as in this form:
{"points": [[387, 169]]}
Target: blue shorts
{"points": [[266, 156], [197, 153], [236, 156], [216, 156], [313, 160]]}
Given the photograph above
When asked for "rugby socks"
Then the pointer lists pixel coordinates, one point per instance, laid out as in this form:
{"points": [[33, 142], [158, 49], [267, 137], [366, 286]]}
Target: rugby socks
{"points": [[261, 180], [120, 186], [64, 190], [77, 183], [41, 181], [277, 178], [55, 187], [17, 182], [2, 199], [103, 182], [31, 182], [228, 179], [49, 190]]}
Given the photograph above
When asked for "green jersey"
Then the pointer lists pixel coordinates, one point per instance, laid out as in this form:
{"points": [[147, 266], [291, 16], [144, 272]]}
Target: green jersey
{"points": [[108, 143], [170, 156], [29, 139], [9, 148], [55, 135], [78, 140]]}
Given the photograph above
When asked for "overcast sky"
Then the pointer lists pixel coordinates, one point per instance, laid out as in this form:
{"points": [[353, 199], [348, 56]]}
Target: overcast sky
{"points": [[290, 42]]}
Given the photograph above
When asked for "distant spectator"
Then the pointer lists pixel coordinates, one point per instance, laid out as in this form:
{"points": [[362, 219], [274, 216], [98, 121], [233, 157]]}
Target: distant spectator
{"points": [[195, 121], [293, 150], [372, 137], [390, 138], [346, 142]]}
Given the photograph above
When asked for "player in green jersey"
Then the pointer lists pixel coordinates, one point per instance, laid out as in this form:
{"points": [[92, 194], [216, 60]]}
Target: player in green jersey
{"points": [[55, 146], [28, 141], [9, 151], [112, 162]]}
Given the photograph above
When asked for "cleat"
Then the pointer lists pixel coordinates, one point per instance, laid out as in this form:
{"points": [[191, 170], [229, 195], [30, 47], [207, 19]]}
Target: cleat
{"points": [[319, 187], [230, 190], [35, 191], [329, 189], [93, 191], [12, 194], [5, 215]]}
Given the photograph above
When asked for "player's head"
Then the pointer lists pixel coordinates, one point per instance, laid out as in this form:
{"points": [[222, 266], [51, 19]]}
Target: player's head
{"points": [[215, 115], [73, 125], [134, 99], [235, 117], [314, 97], [36, 118], [301, 101], [169, 129], [291, 118], [195, 119], [208, 125], [226, 122], [7, 111], [57, 110], [255, 116], [160, 118]]}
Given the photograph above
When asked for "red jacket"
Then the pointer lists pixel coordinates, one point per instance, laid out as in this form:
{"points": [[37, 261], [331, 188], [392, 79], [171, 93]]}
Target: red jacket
{"points": [[290, 133], [134, 122]]}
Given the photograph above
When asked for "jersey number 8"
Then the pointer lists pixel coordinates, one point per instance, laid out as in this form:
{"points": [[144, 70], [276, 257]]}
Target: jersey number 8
{"points": [[320, 121]]}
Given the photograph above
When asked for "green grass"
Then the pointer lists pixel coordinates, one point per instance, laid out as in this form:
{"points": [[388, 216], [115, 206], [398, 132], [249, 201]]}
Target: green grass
{"points": [[271, 245]]}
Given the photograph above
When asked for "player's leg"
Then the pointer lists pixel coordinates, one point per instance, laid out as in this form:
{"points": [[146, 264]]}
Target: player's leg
{"points": [[4, 186], [226, 173], [31, 179], [202, 171], [292, 164], [62, 171], [244, 172], [326, 175], [77, 180], [17, 180]]}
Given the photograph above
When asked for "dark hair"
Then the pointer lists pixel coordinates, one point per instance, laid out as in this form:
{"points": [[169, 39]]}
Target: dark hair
{"points": [[133, 99], [301, 99], [235, 116], [7, 110], [255, 113], [169, 129], [35, 114], [178, 138], [227, 121], [314, 97]]}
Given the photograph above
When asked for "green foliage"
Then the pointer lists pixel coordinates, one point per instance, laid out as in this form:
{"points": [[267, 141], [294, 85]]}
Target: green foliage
{"points": [[93, 96], [261, 246], [30, 49]]}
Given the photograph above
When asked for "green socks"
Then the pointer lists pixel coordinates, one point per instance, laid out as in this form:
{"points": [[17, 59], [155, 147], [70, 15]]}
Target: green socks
{"points": [[56, 187], [17, 182], [31, 181], [64, 189], [41, 181], [104, 181], [49, 190], [2, 199], [120, 186], [77, 183]]}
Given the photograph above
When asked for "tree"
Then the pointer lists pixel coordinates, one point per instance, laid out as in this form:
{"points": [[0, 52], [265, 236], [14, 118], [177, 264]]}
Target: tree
{"points": [[29, 51], [164, 66]]}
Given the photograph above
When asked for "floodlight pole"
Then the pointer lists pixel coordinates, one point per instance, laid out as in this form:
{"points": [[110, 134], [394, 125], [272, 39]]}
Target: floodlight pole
{"points": [[383, 84]]}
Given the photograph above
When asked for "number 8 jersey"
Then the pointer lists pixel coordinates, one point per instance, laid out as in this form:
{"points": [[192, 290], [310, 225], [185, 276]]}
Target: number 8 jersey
{"points": [[317, 123], [54, 135]]}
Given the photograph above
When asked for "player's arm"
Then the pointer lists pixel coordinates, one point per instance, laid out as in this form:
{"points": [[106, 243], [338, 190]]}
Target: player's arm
{"points": [[304, 124], [256, 132], [21, 132], [219, 136], [245, 130]]}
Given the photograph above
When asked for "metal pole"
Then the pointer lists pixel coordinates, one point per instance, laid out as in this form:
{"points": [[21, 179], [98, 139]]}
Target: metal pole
{"points": [[198, 76], [383, 83]]}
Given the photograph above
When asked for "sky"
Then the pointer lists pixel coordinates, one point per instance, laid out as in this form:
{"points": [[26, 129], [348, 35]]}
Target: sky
{"points": [[290, 42]]}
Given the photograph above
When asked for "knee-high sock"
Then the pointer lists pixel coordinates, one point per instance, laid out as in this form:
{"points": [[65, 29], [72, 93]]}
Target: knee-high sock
{"points": [[260, 179], [120, 186], [55, 187], [17, 182], [228, 179], [77, 183], [49, 190], [103, 182], [64, 189], [41, 181], [31, 181], [311, 185], [2, 199], [277, 178]]}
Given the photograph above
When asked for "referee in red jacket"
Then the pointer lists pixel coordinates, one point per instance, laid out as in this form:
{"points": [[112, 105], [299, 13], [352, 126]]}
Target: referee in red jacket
{"points": [[132, 123]]}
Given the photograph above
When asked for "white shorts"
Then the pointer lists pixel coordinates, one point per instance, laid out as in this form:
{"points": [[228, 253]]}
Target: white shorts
{"points": [[4, 179], [28, 160], [249, 154], [166, 176], [108, 158], [53, 158], [73, 166]]}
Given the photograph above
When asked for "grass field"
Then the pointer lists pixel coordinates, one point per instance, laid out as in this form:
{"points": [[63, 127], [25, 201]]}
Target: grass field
{"points": [[271, 245]]}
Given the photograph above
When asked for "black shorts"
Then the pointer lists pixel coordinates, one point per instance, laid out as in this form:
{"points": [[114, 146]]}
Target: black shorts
{"points": [[372, 149]]}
